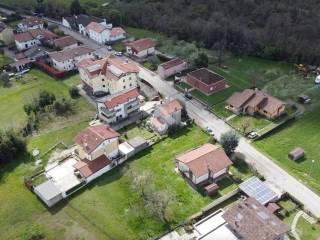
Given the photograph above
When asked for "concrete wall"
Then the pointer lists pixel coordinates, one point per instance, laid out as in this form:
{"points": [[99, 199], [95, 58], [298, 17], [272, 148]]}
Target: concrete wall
{"points": [[206, 89]]}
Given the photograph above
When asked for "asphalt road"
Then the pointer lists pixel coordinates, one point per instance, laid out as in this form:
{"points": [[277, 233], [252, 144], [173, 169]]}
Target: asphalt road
{"points": [[271, 171]]}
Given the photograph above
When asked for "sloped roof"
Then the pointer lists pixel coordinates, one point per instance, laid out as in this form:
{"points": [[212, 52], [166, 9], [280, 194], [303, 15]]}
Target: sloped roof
{"points": [[206, 158], [172, 63], [96, 27], [142, 44], [32, 21], [90, 138], [33, 34], [64, 41], [170, 107], [253, 221], [87, 168], [121, 98], [83, 20], [117, 31], [61, 56]]}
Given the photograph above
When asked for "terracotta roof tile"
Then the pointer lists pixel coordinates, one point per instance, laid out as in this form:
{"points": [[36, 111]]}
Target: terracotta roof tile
{"points": [[96, 27], [64, 41], [121, 98], [142, 44], [170, 107], [87, 168], [117, 31], [207, 157], [64, 55], [93, 136]]}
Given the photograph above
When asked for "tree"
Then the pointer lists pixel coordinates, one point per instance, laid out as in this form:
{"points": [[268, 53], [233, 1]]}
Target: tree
{"points": [[76, 8], [74, 92], [245, 125], [4, 79], [158, 204], [62, 106], [201, 60], [11, 146], [229, 141]]}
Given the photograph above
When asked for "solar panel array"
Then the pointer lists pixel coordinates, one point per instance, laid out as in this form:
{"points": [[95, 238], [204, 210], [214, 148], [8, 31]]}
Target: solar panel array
{"points": [[257, 189]]}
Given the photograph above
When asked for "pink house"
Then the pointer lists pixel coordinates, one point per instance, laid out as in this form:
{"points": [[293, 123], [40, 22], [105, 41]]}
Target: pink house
{"points": [[172, 67]]}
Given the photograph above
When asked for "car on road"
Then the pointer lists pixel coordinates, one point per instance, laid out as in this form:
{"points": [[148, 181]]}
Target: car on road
{"points": [[119, 54], [109, 48], [210, 131], [252, 135], [317, 80], [187, 95]]}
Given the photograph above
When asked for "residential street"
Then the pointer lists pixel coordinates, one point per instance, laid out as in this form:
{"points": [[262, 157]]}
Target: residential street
{"points": [[271, 171]]}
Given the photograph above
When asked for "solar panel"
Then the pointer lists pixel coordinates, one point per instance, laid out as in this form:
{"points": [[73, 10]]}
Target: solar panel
{"points": [[257, 189]]}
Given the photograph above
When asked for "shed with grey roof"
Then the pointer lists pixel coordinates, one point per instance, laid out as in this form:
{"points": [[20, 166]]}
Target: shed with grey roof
{"points": [[138, 143], [49, 193]]}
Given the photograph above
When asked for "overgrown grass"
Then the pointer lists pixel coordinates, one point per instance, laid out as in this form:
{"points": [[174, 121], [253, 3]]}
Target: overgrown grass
{"points": [[25, 89]]}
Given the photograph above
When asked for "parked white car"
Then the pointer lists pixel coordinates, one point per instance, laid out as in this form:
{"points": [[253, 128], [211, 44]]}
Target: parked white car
{"points": [[317, 81]]}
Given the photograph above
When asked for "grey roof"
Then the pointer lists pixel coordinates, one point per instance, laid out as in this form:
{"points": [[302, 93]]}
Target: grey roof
{"points": [[48, 190], [82, 19], [137, 141], [257, 189]]}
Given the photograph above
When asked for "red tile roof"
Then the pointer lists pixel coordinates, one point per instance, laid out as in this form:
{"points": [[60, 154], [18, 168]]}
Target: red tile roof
{"points": [[122, 98], [93, 136], [96, 27], [71, 53], [32, 21], [33, 34], [206, 76], [87, 168], [173, 63], [170, 107], [64, 41], [117, 31], [206, 158], [142, 44]]}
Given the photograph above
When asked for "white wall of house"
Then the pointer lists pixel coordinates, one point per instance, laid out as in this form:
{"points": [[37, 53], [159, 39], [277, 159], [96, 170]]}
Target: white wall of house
{"points": [[164, 73], [99, 173], [65, 23], [71, 46], [69, 64], [25, 28], [101, 37], [218, 174], [197, 180], [117, 37], [82, 29], [143, 53], [26, 45]]}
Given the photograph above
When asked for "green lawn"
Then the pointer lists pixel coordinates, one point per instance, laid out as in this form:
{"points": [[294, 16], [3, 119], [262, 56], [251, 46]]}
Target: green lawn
{"points": [[305, 133], [23, 90], [4, 60], [254, 123], [97, 211]]}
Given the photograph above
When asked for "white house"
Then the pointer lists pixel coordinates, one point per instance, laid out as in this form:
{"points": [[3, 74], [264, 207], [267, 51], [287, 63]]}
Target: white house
{"points": [[33, 38], [108, 75], [97, 147], [30, 23], [141, 48], [205, 163], [117, 33], [98, 32], [166, 116], [80, 22], [118, 106], [172, 67], [68, 59]]}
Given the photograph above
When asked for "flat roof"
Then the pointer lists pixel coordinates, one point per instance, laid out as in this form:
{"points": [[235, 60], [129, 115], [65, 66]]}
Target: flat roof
{"points": [[214, 227], [48, 190], [125, 148], [206, 76], [137, 141], [257, 189], [63, 174]]}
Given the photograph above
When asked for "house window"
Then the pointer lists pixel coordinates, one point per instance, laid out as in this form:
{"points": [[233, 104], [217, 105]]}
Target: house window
{"points": [[124, 80], [103, 85], [102, 79], [124, 87], [130, 84]]}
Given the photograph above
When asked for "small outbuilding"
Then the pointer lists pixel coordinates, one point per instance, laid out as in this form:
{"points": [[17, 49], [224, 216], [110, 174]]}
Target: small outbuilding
{"points": [[138, 143], [126, 149], [49, 193], [296, 154]]}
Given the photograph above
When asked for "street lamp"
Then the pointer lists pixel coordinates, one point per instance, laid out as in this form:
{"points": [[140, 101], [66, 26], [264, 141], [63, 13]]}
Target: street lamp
{"points": [[312, 161]]}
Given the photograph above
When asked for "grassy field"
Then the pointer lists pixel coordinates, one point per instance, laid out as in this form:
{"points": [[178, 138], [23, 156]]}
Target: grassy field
{"points": [[101, 210], [254, 123], [4, 60], [305, 133], [23, 90]]}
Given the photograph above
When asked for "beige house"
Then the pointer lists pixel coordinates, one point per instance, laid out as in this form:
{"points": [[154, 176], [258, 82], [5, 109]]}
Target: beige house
{"points": [[6, 34], [97, 140], [172, 67], [204, 164], [252, 101], [108, 75], [165, 116]]}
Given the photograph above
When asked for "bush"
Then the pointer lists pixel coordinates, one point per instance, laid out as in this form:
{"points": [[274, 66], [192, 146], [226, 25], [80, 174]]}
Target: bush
{"points": [[39, 103], [11, 146], [4, 79], [229, 141], [74, 92], [62, 107]]}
